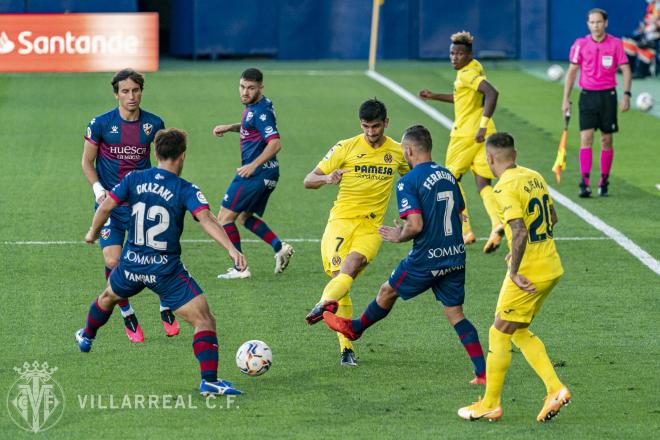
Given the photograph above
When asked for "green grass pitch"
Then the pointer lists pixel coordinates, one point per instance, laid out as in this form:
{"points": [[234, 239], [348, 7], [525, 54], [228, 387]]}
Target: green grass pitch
{"points": [[600, 326]]}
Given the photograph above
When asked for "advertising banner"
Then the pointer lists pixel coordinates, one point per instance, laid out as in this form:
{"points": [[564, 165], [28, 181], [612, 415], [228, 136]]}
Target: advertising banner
{"points": [[78, 42]]}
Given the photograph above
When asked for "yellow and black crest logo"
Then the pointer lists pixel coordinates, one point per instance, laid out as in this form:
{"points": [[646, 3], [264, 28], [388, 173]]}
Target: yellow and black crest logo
{"points": [[388, 158], [336, 260]]}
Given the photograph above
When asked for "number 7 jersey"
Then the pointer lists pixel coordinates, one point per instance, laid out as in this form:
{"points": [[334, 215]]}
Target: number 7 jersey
{"points": [[158, 201], [523, 193]]}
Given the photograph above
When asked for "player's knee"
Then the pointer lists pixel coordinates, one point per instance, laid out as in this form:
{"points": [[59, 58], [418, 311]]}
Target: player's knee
{"points": [[454, 314], [108, 299], [111, 261]]}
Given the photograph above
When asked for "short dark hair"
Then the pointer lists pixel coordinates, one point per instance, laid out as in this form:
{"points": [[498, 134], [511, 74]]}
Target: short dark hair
{"points": [[372, 110], [253, 74], [600, 11], [464, 38], [500, 140], [127, 74], [419, 136], [170, 143]]}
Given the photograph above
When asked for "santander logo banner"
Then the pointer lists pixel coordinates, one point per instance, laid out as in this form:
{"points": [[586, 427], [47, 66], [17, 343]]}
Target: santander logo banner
{"points": [[78, 42]]}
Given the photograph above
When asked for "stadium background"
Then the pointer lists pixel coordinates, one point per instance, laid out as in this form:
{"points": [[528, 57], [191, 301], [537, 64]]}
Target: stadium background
{"points": [[339, 29]]}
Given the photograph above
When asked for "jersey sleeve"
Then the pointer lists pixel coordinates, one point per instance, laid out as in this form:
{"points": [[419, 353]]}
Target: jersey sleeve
{"points": [[195, 200], [574, 56], [93, 133], [121, 190], [334, 159], [407, 200], [620, 54], [510, 205], [265, 123], [471, 78]]}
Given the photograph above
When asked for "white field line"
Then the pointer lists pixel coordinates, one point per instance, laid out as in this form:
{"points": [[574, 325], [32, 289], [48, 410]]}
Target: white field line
{"points": [[249, 240], [585, 215]]}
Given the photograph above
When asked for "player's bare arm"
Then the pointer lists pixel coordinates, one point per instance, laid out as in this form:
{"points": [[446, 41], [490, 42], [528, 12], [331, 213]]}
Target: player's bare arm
{"points": [[412, 226], [220, 130], [426, 94], [272, 148], [490, 102], [518, 245], [624, 105], [90, 151], [100, 217], [571, 74], [212, 227], [317, 178]]}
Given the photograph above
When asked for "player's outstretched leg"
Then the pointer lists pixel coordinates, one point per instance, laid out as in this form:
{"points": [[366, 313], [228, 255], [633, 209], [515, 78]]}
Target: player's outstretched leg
{"points": [[469, 337], [283, 251], [205, 346], [170, 324], [99, 314]]}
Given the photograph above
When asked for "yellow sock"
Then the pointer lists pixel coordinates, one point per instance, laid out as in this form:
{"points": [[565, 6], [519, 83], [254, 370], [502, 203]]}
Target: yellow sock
{"points": [[337, 288], [491, 205], [499, 359], [466, 224], [536, 356], [345, 310]]}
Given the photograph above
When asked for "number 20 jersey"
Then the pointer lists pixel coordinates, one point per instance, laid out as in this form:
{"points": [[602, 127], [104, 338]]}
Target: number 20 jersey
{"points": [[523, 193], [158, 201]]}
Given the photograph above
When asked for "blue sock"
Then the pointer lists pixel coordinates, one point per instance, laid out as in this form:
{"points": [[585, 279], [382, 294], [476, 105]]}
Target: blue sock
{"points": [[372, 314], [470, 340]]}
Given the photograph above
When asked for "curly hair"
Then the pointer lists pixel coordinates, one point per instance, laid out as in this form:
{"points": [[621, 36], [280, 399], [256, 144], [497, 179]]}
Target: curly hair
{"points": [[463, 37]]}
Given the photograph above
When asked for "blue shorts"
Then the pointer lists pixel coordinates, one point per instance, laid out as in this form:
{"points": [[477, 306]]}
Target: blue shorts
{"points": [[448, 284], [251, 194], [174, 289], [114, 230]]}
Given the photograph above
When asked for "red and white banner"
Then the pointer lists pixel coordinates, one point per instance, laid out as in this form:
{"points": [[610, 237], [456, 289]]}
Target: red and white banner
{"points": [[78, 42]]}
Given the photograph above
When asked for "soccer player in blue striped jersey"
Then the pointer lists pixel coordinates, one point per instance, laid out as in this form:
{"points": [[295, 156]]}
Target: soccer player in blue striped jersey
{"points": [[430, 203], [158, 200], [246, 198], [116, 143]]}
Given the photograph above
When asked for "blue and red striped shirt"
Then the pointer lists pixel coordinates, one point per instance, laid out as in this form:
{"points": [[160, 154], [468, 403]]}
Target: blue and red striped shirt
{"points": [[123, 146], [258, 127]]}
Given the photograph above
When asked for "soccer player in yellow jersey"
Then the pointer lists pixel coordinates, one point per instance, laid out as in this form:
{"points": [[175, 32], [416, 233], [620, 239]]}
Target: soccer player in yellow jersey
{"points": [[534, 270], [365, 168], [474, 100]]}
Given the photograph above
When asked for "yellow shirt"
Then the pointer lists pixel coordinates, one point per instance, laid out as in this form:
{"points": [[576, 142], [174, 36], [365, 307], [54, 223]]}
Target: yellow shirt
{"points": [[522, 193], [365, 190], [468, 102]]}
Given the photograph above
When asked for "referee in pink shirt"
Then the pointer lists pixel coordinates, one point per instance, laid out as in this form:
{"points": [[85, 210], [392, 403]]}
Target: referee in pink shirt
{"points": [[597, 56]]}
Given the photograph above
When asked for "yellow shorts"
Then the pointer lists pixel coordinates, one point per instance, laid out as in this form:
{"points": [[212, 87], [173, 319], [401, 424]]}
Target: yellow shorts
{"points": [[343, 236], [464, 154], [516, 305]]}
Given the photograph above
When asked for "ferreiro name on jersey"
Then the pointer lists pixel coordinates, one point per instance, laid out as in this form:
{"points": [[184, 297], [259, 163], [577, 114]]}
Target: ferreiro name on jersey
{"points": [[437, 177]]}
